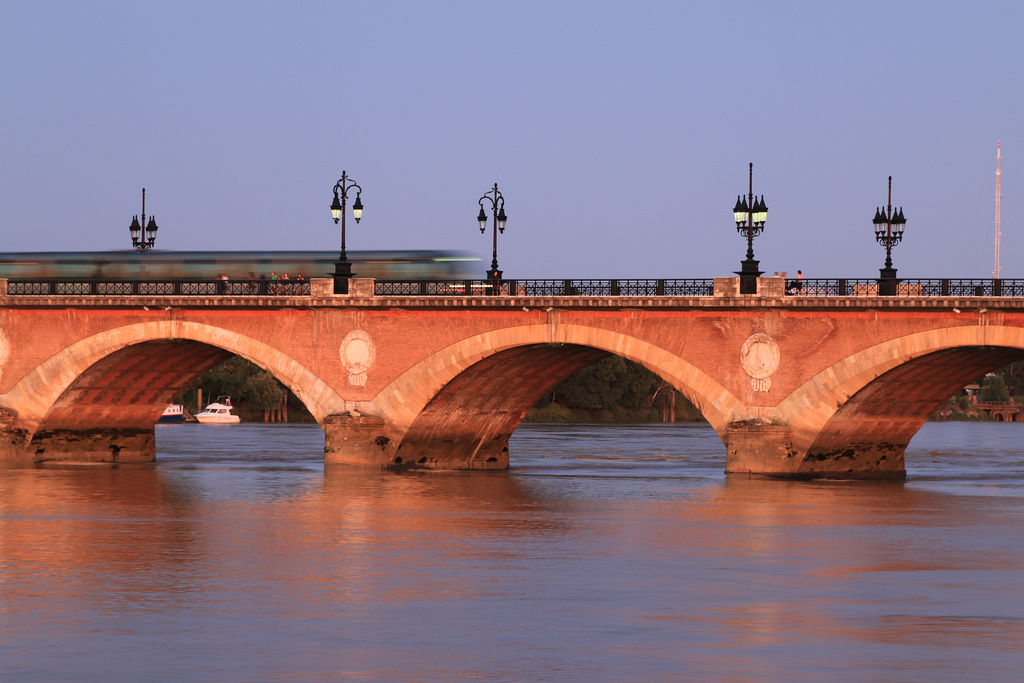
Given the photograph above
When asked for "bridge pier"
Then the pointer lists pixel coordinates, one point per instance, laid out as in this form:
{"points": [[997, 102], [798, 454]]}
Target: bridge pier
{"points": [[354, 439], [370, 441], [769, 450], [21, 448], [756, 448]]}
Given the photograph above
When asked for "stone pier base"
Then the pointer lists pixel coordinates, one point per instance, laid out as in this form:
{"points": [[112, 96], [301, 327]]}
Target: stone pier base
{"points": [[364, 440], [369, 441], [768, 450], [102, 445], [761, 449]]}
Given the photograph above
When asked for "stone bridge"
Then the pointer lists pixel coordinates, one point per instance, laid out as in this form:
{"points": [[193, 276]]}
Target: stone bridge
{"points": [[796, 386]]}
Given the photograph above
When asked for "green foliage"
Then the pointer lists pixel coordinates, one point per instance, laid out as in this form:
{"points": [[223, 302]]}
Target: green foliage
{"points": [[1001, 385], [226, 379], [551, 412], [252, 390], [610, 390], [262, 392], [958, 408], [1013, 377], [994, 389], [609, 383]]}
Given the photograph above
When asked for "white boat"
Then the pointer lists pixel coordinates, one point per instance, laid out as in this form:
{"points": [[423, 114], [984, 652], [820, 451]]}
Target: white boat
{"points": [[173, 413], [218, 413]]}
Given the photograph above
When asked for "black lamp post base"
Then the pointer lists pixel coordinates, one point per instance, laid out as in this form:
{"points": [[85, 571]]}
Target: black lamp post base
{"points": [[342, 274], [887, 282], [748, 275]]}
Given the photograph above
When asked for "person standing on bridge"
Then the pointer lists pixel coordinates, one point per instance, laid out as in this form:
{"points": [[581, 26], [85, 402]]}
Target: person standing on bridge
{"points": [[796, 286]]}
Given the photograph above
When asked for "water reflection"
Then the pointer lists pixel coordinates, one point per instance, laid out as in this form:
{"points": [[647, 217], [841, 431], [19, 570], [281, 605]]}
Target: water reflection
{"points": [[606, 554], [905, 562], [81, 530]]}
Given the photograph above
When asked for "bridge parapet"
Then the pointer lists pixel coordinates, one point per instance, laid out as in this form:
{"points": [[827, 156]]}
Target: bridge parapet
{"points": [[361, 295], [767, 288], [474, 293]]}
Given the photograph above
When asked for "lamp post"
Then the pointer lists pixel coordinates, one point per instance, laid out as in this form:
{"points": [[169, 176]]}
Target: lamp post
{"points": [[889, 232], [143, 240], [343, 268], [498, 213], [750, 218]]}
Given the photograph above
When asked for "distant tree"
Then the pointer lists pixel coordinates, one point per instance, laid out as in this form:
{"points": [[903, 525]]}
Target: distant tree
{"points": [[262, 392], [226, 379], [994, 389], [252, 389], [1013, 375], [611, 390], [638, 385], [609, 383], [236, 377]]}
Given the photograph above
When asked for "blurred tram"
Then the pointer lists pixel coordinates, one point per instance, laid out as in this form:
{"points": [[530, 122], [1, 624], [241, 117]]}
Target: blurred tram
{"points": [[236, 265]]}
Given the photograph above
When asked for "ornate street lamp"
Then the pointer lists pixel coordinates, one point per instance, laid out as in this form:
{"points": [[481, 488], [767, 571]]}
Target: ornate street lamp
{"points": [[889, 226], [498, 213], [343, 268], [750, 218], [143, 240]]}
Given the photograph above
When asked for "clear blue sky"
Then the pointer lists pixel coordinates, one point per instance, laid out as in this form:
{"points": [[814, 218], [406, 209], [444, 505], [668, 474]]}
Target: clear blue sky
{"points": [[619, 132]]}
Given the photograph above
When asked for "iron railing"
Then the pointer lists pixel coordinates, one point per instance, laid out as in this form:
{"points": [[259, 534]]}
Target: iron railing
{"points": [[158, 288], [905, 287], [839, 287], [544, 287]]}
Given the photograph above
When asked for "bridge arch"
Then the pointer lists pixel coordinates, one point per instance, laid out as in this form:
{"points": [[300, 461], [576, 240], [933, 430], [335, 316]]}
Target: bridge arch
{"points": [[428, 402], [863, 410], [34, 396]]}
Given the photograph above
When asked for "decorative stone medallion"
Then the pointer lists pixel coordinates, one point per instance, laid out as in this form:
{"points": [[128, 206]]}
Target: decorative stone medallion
{"points": [[759, 358], [357, 355]]}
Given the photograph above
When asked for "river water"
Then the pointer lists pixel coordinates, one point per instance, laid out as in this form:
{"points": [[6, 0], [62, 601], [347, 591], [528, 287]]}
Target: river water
{"points": [[608, 553]]}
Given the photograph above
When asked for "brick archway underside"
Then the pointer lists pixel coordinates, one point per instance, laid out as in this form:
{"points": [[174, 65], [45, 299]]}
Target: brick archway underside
{"points": [[402, 402], [476, 412], [130, 387], [157, 358], [883, 416]]}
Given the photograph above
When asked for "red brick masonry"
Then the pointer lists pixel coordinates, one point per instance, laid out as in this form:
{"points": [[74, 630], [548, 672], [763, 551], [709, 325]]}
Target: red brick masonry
{"points": [[795, 386]]}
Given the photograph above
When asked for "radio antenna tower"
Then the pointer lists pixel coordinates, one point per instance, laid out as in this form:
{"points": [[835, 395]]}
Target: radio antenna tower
{"points": [[999, 199]]}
